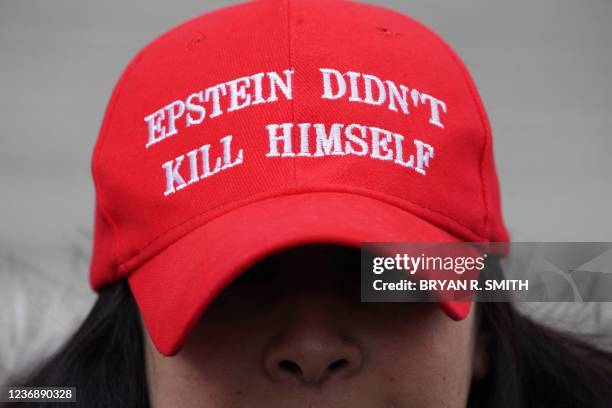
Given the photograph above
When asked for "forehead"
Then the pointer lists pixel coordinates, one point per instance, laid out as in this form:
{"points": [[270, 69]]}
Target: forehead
{"points": [[312, 265]]}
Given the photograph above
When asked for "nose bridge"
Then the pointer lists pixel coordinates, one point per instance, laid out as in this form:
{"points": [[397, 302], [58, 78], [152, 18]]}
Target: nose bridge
{"points": [[312, 346]]}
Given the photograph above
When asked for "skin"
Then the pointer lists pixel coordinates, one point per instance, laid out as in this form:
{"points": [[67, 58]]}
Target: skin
{"points": [[292, 332]]}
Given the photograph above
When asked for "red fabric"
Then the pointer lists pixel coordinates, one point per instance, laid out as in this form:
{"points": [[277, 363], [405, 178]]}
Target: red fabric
{"points": [[178, 251], [195, 268]]}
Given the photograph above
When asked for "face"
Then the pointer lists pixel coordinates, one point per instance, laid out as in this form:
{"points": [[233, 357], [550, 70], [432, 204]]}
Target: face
{"points": [[292, 332]]}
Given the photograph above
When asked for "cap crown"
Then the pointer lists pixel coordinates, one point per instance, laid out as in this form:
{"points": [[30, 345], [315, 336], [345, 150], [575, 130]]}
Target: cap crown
{"points": [[372, 102]]}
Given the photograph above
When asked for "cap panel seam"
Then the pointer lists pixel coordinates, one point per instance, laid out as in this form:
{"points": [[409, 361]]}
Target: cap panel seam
{"points": [[479, 108], [292, 105], [486, 143], [97, 158], [486, 133]]}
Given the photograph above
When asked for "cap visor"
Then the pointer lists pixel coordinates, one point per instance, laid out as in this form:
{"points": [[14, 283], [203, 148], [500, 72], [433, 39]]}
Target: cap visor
{"points": [[174, 288]]}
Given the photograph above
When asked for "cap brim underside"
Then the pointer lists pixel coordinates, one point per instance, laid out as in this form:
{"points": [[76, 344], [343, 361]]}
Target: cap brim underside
{"points": [[174, 288]]}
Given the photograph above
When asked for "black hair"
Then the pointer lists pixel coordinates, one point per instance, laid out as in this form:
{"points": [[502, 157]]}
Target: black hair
{"points": [[534, 365], [104, 358], [531, 365]]}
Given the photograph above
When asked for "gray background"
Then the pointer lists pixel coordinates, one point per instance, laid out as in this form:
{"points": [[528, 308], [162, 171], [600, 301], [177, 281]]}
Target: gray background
{"points": [[543, 69]]}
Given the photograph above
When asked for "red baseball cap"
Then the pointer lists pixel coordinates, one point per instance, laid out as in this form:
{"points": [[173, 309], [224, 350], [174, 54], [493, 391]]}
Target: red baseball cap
{"points": [[276, 123]]}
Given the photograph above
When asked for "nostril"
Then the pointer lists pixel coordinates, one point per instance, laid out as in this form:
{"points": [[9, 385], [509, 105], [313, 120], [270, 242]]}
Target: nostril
{"points": [[311, 358], [338, 364], [290, 366]]}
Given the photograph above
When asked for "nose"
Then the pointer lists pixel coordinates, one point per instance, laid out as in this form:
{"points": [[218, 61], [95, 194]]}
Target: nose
{"points": [[311, 354]]}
